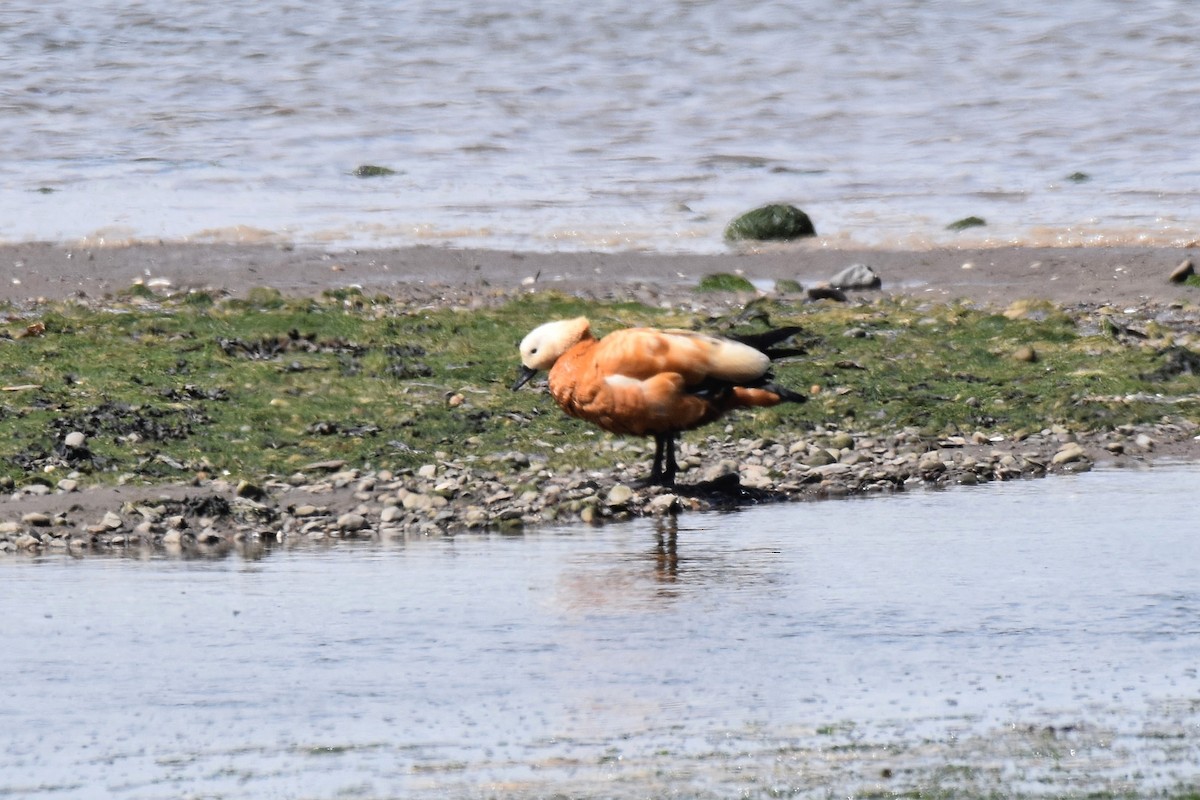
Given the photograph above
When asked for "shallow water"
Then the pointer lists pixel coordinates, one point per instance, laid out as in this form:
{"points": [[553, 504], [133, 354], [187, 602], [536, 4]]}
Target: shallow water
{"points": [[602, 126], [1037, 636]]}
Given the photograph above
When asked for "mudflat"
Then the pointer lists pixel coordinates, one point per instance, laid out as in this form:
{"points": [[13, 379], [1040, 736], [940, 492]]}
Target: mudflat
{"points": [[1128, 289], [999, 275]]}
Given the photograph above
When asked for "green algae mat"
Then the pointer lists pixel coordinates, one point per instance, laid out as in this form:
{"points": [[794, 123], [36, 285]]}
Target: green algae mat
{"points": [[166, 387]]}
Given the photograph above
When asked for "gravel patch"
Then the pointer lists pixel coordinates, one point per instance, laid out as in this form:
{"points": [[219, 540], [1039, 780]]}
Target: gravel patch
{"points": [[511, 491]]}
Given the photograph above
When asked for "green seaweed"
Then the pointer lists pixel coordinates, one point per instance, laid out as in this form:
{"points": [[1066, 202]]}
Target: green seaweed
{"points": [[966, 222], [771, 222], [168, 387], [373, 171], [724, 282]]}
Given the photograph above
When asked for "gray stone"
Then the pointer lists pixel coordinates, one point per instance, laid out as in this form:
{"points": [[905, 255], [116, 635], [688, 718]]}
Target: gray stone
{"points": [[820, 458], [351, 522], [856, 276], [619, 495], [1070, 452], [931, 462], [841, 440], [1182, 272], [663, 504], [75, 440]]}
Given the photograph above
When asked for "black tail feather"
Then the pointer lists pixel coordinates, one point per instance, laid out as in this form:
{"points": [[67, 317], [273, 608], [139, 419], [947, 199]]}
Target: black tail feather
{"points": [[786, 394], [765, 342]]}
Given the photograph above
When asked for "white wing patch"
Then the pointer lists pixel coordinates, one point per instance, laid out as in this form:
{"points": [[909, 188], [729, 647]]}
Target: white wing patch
{"points": [[622, 380]]}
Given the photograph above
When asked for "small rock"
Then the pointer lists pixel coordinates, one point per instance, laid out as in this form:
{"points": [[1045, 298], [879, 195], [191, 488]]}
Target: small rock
{"points": [[351, 522], [820, 458], [663, 504], [1144, 442], [1182, 272], [775, 221], [391, 514], [75, 440], [832, 470], [856, 276], [427, 471], [1070, 452], [931, 462], [824, 292], [112, 521], [209, 536], [68, 485], [619, 495], [326, 466], [1026, 354], [36, 518], [249, 491], [719, 470], [841, 440], [755, 476]]}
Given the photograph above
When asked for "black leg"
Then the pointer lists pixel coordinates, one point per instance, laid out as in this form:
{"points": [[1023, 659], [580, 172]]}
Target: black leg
{"points": [[665, 467], [671, 467], [657, 470]]}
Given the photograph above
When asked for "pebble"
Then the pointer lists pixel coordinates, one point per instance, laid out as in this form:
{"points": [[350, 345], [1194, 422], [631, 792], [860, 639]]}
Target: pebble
{"points": [[619, 495], [1069, 453], [1182, 272], [351, 522], [515, 490]]}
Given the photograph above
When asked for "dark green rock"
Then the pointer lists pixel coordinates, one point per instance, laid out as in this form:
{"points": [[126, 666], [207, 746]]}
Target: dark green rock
{"points": [[966, 222], [725, 282], [373, 171], [1079, 177], [776, 221]]}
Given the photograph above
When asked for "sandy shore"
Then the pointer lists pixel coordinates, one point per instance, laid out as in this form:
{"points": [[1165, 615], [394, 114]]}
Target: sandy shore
{"points": [[995, 276]]}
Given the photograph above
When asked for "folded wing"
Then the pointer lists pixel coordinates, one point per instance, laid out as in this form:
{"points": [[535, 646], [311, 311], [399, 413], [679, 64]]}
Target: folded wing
{"points": [[642, 353]]}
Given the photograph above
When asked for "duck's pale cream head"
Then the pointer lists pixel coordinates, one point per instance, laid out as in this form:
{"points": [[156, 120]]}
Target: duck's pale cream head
{"points": [[545, 343]]}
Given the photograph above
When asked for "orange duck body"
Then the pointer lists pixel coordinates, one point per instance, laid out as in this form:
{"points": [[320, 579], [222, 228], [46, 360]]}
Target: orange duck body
{"points": [[651, 382]]}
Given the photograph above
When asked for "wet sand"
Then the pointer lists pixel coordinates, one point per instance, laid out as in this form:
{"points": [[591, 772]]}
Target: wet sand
{"points": [[996, 276]]}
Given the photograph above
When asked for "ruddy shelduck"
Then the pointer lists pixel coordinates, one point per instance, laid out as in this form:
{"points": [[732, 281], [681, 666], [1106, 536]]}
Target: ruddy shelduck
{"points": [[651, 382]]}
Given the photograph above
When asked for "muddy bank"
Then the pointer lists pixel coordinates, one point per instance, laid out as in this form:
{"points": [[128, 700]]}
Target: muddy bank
{"points": [[994, 275], [459, 491]]}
